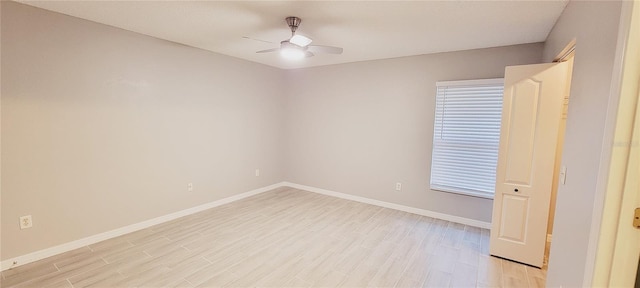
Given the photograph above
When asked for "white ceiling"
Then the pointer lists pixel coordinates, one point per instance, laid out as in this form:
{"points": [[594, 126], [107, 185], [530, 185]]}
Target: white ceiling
{"points": [[366, 30]]}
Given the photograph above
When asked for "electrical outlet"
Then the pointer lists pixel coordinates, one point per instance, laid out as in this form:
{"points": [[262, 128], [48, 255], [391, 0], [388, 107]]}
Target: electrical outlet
{"points": [[257, 172], [398, 186], [26, 222], [190, 187]]}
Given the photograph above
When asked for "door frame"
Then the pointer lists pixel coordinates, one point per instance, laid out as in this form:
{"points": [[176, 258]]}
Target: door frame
{"points": [[598, 235]]}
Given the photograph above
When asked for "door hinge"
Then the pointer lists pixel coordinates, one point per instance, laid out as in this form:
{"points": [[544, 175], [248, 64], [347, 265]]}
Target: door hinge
{"points": [[636, 218]]}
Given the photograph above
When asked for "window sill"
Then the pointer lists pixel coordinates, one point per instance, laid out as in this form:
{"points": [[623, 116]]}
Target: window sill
{"points": [[462, 192]]}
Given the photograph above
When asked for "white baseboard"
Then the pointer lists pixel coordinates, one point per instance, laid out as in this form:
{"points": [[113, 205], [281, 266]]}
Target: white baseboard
{"points": [[48, 252], [423, 212]]}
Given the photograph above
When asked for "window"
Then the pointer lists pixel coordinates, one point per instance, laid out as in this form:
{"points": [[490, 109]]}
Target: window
{"points": [[466, 136]]}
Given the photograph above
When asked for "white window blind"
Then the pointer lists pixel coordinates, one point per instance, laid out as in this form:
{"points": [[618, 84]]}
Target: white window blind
{"points": [[466, 136]]}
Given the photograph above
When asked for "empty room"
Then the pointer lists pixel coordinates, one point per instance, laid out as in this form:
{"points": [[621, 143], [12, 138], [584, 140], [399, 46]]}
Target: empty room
{"points": [[319, 143]]}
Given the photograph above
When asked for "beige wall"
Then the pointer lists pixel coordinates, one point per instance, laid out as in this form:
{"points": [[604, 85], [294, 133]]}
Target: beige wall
{"points": [[594, 26], [102, 128], [359, 128]]}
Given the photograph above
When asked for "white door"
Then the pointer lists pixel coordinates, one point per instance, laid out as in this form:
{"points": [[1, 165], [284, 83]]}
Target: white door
{"points": [[531, 115]]}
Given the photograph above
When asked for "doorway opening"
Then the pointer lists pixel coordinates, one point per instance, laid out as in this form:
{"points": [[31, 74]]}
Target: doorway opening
{"points": [[559, 172]]}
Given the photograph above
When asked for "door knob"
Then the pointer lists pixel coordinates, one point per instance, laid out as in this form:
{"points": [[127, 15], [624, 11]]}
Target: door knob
{"points": [[515, 190]]}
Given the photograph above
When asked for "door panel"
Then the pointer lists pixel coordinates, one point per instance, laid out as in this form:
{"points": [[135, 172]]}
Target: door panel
{"points": [[523, 113], [531, 117], [515, 213]]}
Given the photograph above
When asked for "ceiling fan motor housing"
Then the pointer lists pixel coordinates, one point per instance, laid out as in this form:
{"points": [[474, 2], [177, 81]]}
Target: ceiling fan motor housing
{"points": [[293, 23]]}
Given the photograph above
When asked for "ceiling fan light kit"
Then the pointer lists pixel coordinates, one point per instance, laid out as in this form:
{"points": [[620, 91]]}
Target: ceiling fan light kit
{"points": [[297, 46], [292, 52]]}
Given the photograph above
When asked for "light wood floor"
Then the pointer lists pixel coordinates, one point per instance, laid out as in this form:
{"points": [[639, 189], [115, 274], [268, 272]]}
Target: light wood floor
{"points": [[286, 237]]}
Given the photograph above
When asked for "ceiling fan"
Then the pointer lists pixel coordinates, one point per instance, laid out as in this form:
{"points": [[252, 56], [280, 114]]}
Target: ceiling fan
{"points": [[297, 47]]}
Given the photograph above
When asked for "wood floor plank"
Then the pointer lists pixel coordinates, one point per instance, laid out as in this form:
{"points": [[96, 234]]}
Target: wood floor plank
{"points": [[438, 278], [472, 234], [181, 284], [32, 271], [330, 279], [284, 274], [295, 283], [536, 277], [176, 273], [464, 275], [45, 266], [445, 259], [286, 238], [318, 268], [82, 266], [484, 241], [389, 272], [469, 256], [203, 275], [369, 267], [514, 274], [59, 284], [96, 278], [351, 259], [453, 235], [406, 282], [219, 280], [419, 268], [489, 271]]}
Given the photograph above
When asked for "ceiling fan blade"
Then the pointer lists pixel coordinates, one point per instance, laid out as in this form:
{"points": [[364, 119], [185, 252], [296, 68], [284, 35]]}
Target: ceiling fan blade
{"points": [[268, 50], [255, 39], [300, 40], [325, 49]]}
